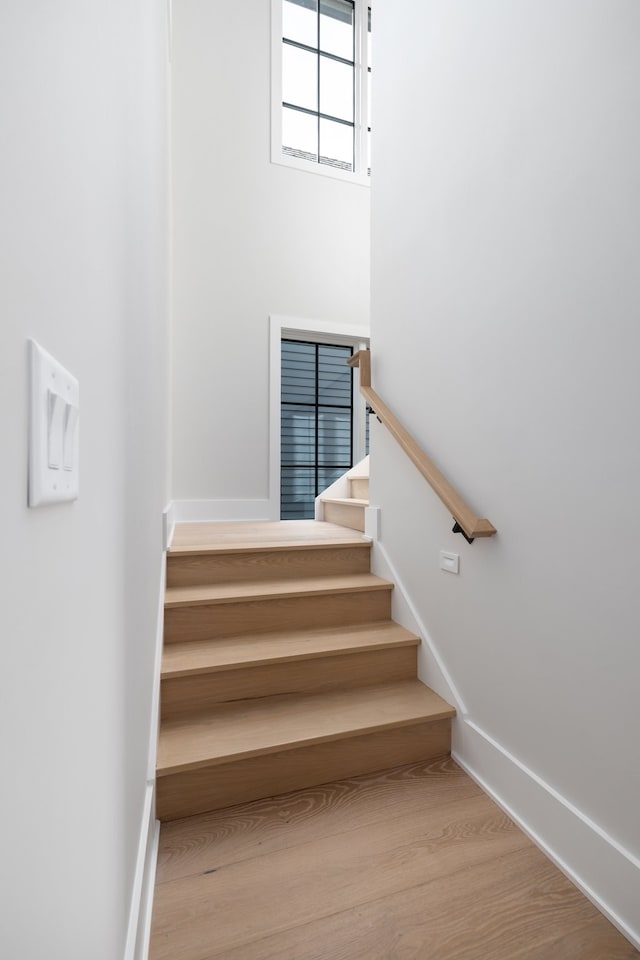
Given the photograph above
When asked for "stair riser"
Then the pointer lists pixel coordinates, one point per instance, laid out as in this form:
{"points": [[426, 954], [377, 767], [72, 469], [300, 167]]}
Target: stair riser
{"points": [[184, 696], [345, 515], [359, 488], [185, 570], [211, 788], [293, 613]]}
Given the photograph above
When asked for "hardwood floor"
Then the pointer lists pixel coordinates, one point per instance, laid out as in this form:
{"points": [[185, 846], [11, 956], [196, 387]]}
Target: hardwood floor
{"points": [[267, 535], [414, 863]]}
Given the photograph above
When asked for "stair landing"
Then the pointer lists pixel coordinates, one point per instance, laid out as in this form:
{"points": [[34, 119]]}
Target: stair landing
{"points": [[261, 535]]}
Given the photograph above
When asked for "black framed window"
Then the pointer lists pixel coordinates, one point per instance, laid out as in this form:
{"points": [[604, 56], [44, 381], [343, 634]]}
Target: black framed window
{"points": [[316, 423], [318, 81]]}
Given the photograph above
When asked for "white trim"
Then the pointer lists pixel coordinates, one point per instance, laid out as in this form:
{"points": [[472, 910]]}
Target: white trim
{"points": [[276, 326], [143, 877], [601, 867], [220, 511], [154, 723], [168, 525], [372, 522], [359, 176], [313, 330], [139, 926], [359, 411], [148, 891]]}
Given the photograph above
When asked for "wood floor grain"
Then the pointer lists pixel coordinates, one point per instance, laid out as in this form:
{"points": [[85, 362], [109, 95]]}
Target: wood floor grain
{"points": [[492, 911], [413, 864], [592, 941], [266, 895], [193, 538], [198, 844]]}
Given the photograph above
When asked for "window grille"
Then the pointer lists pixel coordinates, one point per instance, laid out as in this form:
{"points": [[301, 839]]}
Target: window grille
{"points": [[316, 423], [322, 86]]}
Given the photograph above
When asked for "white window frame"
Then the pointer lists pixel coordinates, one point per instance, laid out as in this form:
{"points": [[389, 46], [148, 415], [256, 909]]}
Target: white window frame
{"points": [[359, 175]]}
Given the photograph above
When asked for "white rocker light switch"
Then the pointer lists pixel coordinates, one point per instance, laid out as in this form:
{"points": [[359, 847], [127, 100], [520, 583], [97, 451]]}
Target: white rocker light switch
{"points": [[53, 430]]}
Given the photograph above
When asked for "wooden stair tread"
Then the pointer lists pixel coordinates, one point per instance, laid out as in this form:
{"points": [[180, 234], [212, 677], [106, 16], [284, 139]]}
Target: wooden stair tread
{"points": [[205, 538], [208, 656], [243, 591], [347, 501], [250, 728]]}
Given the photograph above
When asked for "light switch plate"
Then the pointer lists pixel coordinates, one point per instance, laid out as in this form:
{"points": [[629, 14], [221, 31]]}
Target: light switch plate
{"points": [[449, 561], [53, 430]]}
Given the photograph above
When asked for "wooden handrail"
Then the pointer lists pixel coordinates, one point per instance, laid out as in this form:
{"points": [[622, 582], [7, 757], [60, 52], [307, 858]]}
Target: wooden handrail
{"points": [[472, 526]]}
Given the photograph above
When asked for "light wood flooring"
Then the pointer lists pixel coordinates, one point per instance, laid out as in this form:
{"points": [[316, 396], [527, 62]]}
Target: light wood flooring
{"points": [[415, 863], [261, 535]]}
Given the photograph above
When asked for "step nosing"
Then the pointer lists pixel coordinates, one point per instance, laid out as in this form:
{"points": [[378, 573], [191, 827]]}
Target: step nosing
{"points": [[346, 501], [177, 552]]}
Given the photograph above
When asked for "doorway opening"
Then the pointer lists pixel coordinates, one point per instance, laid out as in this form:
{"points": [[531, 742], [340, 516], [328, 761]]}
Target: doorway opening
{"points": [[318, 422]]}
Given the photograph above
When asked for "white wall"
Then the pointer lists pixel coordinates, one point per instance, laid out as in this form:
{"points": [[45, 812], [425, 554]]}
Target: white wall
{"points": [[83, 270], [250, 239], [505, 302]]}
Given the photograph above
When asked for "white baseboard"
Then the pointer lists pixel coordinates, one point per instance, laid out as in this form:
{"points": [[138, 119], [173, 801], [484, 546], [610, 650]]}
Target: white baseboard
{"points": [[154, 720], [168, 525], [607, 873], [220, 511], [143, 881], [148, 890], [139, 928]]}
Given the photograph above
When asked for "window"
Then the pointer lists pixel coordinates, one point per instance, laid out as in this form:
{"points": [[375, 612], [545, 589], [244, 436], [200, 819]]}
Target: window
{"points": [[316, 423], [321, 86]]}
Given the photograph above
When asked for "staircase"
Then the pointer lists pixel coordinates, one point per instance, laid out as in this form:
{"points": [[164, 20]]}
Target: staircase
{"points": [[348, 511], [282, 668]]}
